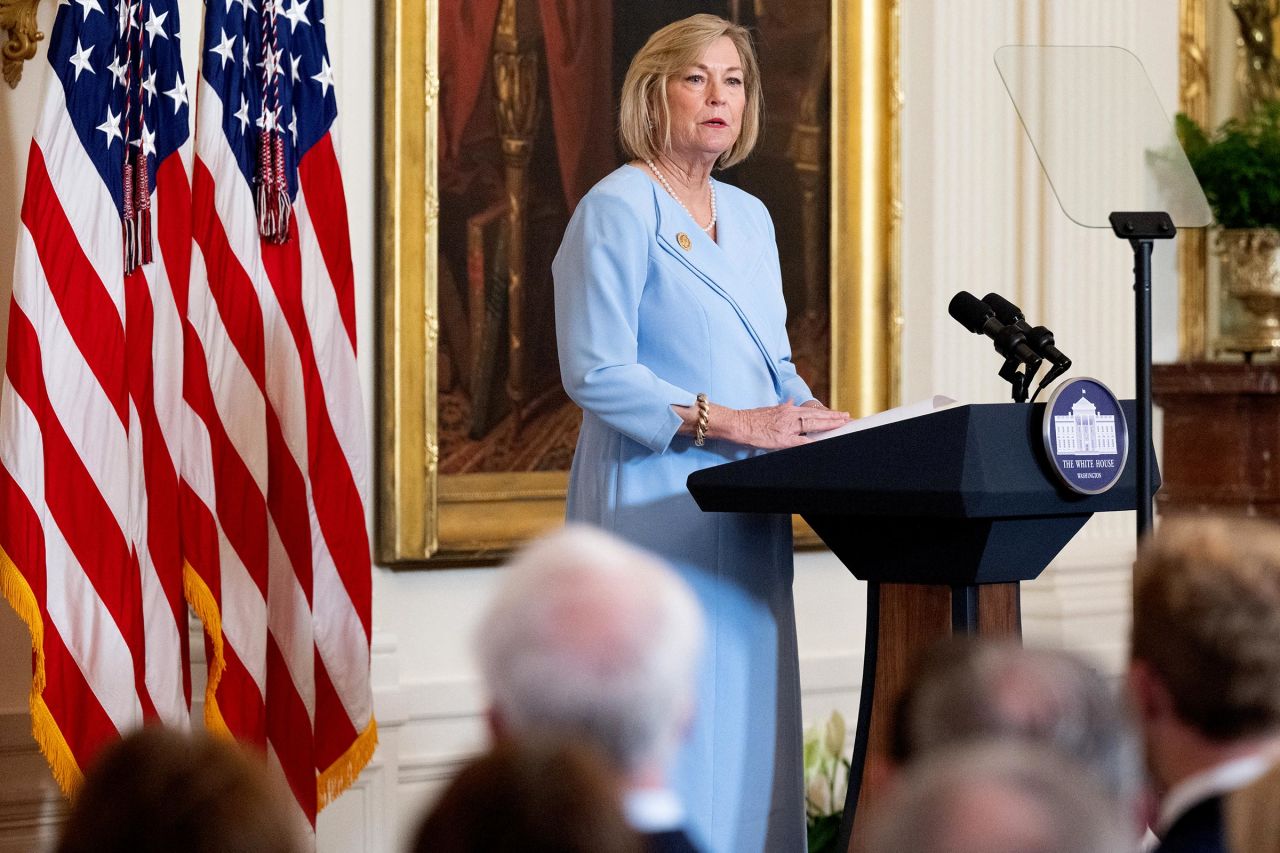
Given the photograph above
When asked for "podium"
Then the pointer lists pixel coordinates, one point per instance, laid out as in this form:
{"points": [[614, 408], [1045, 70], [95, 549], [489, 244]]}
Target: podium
{"points": [[942, 515]]}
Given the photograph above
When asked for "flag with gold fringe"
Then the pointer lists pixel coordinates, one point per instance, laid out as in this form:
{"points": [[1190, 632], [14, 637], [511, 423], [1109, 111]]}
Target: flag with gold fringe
{"points": [[273, 504], [91, 411]]}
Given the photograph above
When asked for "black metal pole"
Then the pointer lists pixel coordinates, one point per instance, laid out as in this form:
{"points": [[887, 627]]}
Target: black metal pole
{"points": [[1142, 368], [1141, 229]]}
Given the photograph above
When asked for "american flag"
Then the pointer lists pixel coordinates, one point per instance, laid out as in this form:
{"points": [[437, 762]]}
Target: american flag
{"points": [[91, 405], [182, 423], [273, 503]]}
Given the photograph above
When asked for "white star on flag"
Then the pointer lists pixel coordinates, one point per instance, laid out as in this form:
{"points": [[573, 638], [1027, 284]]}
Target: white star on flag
{"points": [[111, 127], [325, 77], [225, 48], [297, 14], [293, 128], [243, 113], [267, 121], [149, 86], [295, 61], [178, 93], [270, 63], [80, 59], [117, 70], [155, 26], [90, 6], [148, 142]]}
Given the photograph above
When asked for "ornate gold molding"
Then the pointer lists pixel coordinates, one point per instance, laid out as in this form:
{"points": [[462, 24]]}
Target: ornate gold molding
{"points": [[866, 209], [406, 427], [424, 519], [18, 19], [1193, 99]]}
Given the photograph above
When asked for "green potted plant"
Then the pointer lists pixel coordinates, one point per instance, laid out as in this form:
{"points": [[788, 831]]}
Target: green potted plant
{"points": [[1239, 168]]}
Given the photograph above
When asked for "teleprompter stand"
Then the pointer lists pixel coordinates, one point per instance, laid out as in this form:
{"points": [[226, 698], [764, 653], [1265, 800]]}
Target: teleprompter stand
{"points": [[1142, 229], [1107, 147], [942, 515]]}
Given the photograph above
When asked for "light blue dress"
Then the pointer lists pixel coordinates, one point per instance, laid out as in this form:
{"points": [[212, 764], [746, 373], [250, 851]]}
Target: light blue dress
{"points": [[642, 324]]}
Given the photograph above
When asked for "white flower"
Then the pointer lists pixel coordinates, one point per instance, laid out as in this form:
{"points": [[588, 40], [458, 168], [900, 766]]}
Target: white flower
{"points": [[818, 797]]}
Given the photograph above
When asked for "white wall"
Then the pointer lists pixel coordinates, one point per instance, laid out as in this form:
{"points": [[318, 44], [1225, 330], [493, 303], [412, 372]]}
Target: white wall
{"points": [[977, 216]]}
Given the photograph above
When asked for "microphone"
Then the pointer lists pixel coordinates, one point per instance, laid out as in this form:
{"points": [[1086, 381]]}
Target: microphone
{"points": [[1039, 338], [978, 317]]}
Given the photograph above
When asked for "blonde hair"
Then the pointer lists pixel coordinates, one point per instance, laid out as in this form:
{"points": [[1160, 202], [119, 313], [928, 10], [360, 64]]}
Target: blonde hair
{"points": [[1206, 619], [645, 116]]}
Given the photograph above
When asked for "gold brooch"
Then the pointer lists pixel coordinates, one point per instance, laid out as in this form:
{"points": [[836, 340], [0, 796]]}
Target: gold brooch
{"points": [[684, 241]]}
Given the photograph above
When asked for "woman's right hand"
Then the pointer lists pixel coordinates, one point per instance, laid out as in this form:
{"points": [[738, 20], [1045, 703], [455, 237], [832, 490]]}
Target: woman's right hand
{"points": [[784, 425]]}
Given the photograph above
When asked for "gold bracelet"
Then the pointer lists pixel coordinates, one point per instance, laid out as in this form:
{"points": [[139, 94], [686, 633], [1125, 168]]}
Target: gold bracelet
{"points": [[704, 416]]}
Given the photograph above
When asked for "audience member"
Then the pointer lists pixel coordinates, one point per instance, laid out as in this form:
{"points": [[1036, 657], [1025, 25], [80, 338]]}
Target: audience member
{"points": [[1253, 816], [972, 689], [590, 637], [996, 798], [1205, 668], [532, 795], [159, 790]]}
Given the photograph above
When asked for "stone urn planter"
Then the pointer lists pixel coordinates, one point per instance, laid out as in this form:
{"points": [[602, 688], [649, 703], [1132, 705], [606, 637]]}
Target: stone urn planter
{"points": [[1251, 275]]}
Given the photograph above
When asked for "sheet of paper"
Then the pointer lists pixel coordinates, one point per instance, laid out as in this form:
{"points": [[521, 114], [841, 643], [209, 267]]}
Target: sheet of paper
{"points": [[936, 403]]}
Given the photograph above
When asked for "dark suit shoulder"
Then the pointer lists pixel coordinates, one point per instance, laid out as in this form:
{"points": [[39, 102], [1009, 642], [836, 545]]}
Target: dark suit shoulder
{"points": [[672, 841], [1197, 831]]}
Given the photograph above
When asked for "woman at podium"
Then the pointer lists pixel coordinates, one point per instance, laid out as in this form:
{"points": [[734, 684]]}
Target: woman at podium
{"points": [[672, 338]]}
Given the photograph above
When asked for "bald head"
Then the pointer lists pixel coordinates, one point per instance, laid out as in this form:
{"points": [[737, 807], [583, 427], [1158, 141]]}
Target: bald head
{"points": [[998, 798], [975, 689], [590, 636]]}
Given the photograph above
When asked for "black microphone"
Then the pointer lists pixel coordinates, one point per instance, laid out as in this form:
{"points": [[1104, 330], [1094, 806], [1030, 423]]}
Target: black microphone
{"points": [[978, 317], [1039, 338]]}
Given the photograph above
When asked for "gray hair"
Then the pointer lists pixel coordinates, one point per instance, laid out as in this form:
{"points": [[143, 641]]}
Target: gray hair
{"points": [[997, 798], [991, 689], [590, 636]]}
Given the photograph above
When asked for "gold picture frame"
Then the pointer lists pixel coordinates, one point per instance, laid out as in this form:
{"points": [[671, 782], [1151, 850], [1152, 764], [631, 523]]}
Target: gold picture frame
{"points": [[1193, 251], [426, 519]]}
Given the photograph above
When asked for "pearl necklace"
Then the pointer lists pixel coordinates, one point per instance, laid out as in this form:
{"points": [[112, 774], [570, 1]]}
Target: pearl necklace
{"points": [[711, 191]]}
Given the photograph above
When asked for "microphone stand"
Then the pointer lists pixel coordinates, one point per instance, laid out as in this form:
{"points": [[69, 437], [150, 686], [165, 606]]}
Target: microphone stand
{"points": [[1021, 382], [1141, 229]]}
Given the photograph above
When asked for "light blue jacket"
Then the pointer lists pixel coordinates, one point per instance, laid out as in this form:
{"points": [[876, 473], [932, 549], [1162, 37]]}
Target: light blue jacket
{"points": [[642, 324]]}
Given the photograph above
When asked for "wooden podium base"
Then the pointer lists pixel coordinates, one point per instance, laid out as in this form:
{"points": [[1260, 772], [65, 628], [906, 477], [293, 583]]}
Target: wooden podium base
{"points": [[904, 620]]}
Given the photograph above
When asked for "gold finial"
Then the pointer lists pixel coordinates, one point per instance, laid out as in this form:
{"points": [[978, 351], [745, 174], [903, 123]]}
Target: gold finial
{"points": [[18, 18]]}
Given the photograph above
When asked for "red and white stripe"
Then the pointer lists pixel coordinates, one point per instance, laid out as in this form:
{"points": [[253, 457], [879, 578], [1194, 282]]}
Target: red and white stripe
{"points": [[90, 431], [274, 510]]}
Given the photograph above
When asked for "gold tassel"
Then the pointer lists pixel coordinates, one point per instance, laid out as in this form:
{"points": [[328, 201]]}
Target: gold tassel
{"points": [[44, 728], [205, 606], [342, 774]]}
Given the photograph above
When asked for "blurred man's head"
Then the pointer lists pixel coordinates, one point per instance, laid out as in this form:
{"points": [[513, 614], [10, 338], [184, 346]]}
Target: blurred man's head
{"points": [[533, 795], [591, 637], [997, 798], [971, 689], [1205, 663], [159, 790]]}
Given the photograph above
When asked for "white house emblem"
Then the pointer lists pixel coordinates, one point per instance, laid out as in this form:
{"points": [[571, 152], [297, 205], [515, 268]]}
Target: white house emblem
{"points": [[1084, 431], [1085, 435]]}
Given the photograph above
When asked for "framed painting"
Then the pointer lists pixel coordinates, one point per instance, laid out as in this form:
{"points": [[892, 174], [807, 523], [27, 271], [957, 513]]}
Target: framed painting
{"points": [[497, 115]]}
